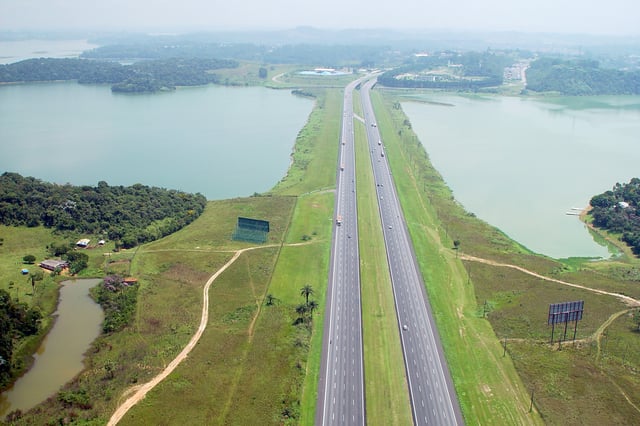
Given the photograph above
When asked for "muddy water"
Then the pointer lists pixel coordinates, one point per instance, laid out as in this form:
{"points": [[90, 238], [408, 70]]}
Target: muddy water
{"points": [[60, 356]]}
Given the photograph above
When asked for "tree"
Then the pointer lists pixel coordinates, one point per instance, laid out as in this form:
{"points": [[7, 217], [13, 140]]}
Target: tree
{"points": [[312, 306], [306, 291], [301, 310], [270, 299], [29, 259], [456, 246], [35, 276]]}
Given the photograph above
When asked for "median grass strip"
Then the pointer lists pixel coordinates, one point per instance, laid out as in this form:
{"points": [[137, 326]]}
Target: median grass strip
{"points": [[487, 385], [386, 387]]}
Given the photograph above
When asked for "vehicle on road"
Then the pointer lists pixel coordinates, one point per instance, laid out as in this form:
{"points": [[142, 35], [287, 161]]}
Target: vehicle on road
{"points": [[405, 328], [339, 220]]}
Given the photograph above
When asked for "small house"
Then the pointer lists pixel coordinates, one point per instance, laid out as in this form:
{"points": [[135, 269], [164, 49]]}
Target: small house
{"points": [[83, 243], [52, 265]]}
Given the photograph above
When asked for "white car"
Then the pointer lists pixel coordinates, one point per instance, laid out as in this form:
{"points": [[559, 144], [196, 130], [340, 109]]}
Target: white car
{"points": [[405, 328]]}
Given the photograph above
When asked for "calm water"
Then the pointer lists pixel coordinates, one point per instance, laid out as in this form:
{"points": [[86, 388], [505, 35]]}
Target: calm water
{"points": [[19, 50], [220, 141], [521, 164], [60, 355]]}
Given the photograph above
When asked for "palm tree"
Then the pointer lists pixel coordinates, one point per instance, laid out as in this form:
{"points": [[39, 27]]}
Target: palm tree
{"points": [[312, 306], [301, 310], [306, 291]]}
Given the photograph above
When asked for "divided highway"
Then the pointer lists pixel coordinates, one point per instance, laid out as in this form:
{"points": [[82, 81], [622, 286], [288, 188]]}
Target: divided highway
{"points": [[341, 382], [431, 391]]}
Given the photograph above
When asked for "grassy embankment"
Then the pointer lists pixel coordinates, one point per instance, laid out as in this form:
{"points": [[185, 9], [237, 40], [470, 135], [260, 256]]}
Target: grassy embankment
{"points": [[595, 381]]}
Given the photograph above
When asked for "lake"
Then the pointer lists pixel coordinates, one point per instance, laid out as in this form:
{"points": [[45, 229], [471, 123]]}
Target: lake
{"points": [[60, 356], [521, 164], [19, 50], [223, 142]]}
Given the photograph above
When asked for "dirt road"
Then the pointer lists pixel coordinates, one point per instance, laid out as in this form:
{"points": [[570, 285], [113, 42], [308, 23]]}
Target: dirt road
{"points": [[141, 391]]}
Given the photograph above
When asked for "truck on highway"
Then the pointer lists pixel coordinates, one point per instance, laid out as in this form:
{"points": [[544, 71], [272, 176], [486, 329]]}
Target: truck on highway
{"points": [[381, 153], [339, 220], [342, 166]]}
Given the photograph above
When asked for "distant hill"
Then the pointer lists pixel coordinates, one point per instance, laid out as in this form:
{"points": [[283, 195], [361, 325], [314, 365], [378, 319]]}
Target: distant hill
{"points": [[580, 77]]}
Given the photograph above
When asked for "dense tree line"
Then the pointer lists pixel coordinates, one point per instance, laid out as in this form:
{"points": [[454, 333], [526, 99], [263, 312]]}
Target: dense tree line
{"points": [[580, 77], [468, 71], [129, 215], [305, 54], [143, 76], [16, 320], [617, 211]]}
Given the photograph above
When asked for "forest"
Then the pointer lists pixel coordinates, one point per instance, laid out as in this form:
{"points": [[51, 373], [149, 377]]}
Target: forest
{"points": [[143, 76], [128, 215], [16, 320], [616, 211], [449, 70], [580, 77]]}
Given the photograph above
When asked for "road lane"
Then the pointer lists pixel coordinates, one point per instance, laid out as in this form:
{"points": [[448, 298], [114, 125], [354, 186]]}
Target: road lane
{"points": [[341, 398], [431, 391]]}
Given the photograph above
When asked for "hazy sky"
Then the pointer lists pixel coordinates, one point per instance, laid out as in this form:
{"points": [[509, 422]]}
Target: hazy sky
{"points": [[616, 17]]}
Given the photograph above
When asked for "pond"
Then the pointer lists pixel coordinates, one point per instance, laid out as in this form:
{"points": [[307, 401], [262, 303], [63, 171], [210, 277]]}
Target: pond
{"points": [[60, 356]]}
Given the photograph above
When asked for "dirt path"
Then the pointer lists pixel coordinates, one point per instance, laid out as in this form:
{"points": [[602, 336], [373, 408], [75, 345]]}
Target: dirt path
{"points": [[630, 301], [141, 390]]}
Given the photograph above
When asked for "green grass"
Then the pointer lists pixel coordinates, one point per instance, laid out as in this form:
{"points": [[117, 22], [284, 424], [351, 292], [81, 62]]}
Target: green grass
{"points": [[315, 154]]}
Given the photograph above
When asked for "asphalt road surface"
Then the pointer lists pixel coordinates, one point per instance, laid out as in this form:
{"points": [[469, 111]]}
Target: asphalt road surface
{"points": [[341, 382], [431, 390]]}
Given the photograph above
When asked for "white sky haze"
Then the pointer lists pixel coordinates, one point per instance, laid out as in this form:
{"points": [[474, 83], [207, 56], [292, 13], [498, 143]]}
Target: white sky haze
{"points": [[614, 17]]}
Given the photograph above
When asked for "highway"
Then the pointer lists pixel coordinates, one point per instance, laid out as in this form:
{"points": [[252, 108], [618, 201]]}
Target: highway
{"points": [[431, 390], [341, 383]]}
